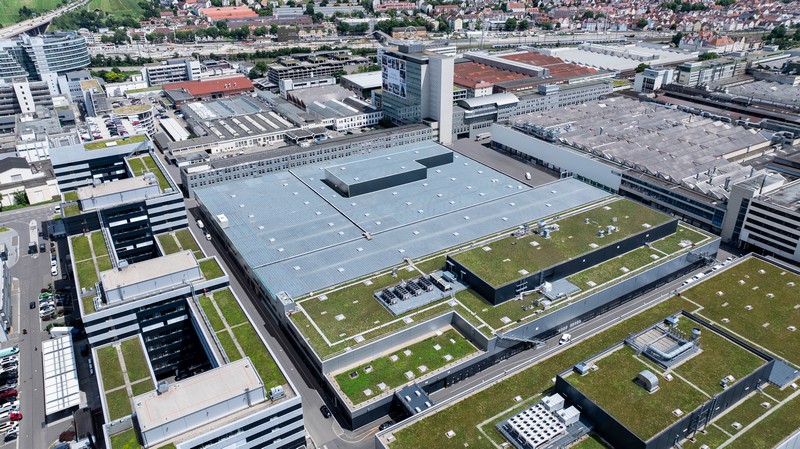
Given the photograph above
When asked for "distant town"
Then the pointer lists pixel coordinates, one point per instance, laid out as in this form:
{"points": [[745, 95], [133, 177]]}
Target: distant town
{"points": [[399, 225]]}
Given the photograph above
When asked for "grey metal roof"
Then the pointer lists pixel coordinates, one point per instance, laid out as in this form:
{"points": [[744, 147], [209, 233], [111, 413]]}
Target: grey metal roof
{"points": [[299, 235], [501, 99]]}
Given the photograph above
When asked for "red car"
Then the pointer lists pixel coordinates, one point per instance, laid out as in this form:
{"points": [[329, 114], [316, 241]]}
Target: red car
{"points": [[8, 394], [16, 416]]}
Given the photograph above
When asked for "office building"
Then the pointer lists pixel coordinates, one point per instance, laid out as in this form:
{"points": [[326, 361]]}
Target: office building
{"points": [[702, 73], [418, 87], [171, 71], [651, 80], [18, 95], [771, 223], [43, 58]]}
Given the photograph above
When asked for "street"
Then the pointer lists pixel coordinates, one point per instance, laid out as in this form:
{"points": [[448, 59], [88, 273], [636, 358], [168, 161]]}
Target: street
{"points": [[31, 273]]}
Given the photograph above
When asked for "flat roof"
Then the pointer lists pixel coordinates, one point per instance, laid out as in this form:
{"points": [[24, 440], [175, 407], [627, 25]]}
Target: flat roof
{"points": [[132, 109], [787, 196], [148, 269], [368, 80], [61, 389], [195, 394], [312, 237], [109, 188]]}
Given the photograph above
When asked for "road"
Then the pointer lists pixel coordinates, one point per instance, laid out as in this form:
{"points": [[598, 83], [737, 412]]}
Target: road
{"points": [[31, 273], [21, 27]]}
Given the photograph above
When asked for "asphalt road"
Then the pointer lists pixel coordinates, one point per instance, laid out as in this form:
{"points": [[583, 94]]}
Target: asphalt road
{"points": [[33, 273], [21, 27]]}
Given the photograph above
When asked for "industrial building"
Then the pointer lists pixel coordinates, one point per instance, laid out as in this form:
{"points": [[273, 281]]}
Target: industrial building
{"points": [[702, 73], [188, 91], [267, 160], [680, 163], [326, 274], [312, 65], [622, 59]]}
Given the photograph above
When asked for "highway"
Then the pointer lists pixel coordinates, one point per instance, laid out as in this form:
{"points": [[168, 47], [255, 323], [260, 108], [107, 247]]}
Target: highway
{"points": [[36, 22]]}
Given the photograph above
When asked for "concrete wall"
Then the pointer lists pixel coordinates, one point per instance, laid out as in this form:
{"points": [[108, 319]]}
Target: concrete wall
{"points": [[793, 442]]}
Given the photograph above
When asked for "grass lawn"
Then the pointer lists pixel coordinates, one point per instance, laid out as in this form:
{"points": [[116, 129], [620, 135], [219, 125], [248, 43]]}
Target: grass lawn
{"points": [[491, 314], [746, 412], [393, 373], [508, 256], [117, 7], [211, 269], [254, 348], [671, 244], [99, 145], [99, 244], [125, 440], [229, 307], [713, 437], [186, 240], [719, 358], [137, 166], [135, 362], [71, 210], [153, 167], [592, 442], [767, 323], [71, 195], [168, 244], [142, 387], [612, 387], [9, 9], [464, 416], [772, 429], [104, 263], [612, 269], [87, 274], [211, 314], [359, 307], [88, 304], [80, 248], [429, 266], [119, 404], [110, 368], [229, 346]]}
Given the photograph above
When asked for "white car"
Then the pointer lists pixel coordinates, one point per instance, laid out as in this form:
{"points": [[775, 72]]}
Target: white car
{"points": [[53, 263], [54, 271], [566, 338]]}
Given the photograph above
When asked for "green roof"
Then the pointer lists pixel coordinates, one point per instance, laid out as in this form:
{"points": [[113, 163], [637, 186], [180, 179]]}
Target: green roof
{"points": [[101, 144], [501, 261]]}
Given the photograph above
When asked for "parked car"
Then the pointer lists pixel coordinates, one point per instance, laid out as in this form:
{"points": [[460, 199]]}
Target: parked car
{"points": [[386, 425], [325, 411], [32, 305], [54, 271]]}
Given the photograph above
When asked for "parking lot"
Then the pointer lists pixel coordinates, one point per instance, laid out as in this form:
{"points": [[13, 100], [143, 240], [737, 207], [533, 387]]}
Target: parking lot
{"points": [[31, 270]]}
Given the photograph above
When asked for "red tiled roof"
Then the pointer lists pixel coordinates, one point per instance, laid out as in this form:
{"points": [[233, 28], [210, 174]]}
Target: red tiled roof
{"points": [[557, 66], [228, 12], [474, 75], [223, 85]]}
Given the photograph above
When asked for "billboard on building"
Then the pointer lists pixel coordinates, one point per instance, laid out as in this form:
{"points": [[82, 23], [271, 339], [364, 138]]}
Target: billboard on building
{"points": [[393, 71]]}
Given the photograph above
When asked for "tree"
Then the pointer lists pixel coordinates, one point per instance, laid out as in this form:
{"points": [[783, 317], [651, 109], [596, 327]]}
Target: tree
{"points": [[588, 14], [511, 24], [523, 25], [222, 25], [707, 56], [640, 68], [21, 198], [642, 23], [338, 74], [273, 29], [25, 13], [676, 39]]}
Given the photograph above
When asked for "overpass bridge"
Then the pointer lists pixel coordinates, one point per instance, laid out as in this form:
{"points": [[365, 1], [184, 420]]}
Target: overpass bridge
{"points": [[38, 25]]}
